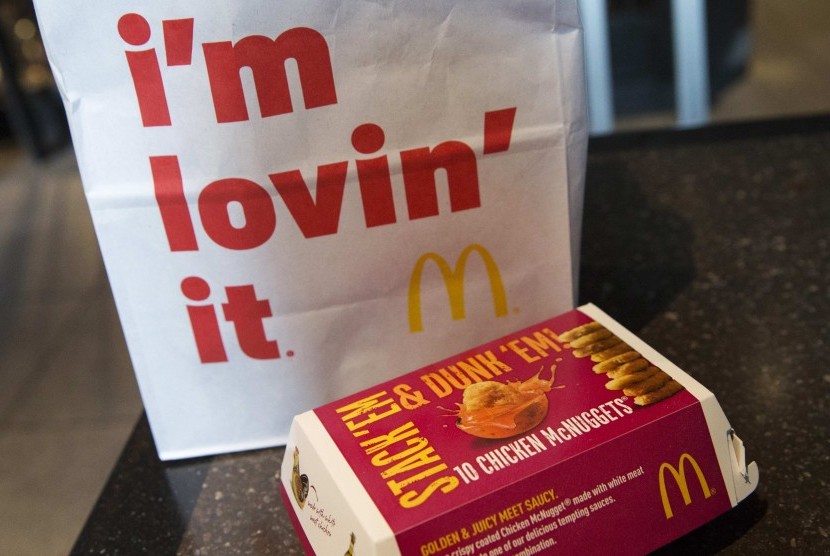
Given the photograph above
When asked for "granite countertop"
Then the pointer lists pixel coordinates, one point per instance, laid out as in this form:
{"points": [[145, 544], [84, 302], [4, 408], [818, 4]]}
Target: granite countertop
{"points": [[714, 246]]}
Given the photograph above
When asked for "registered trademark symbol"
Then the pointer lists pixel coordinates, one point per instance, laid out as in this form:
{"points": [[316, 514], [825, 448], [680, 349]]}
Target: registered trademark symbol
{"points": [[712, 491], [289, 353]]}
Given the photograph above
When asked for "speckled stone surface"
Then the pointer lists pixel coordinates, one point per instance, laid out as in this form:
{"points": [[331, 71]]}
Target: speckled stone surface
{"points": [[713, 245]]}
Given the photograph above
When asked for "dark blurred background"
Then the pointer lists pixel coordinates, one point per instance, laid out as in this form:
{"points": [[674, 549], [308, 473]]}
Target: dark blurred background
{"points": [[641, 49], [32, 113]]}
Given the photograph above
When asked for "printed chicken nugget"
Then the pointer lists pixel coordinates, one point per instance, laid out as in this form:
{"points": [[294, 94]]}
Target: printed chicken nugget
{"points": [[628, 380], [614, 362], [613, 351], [591, 338], [631, 367], [596, 347], [648, 385], [574, 333], [669, 389]]}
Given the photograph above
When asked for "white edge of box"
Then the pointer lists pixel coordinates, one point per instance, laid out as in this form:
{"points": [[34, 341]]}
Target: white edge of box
{"points": [[327, 467], [739, 477]]}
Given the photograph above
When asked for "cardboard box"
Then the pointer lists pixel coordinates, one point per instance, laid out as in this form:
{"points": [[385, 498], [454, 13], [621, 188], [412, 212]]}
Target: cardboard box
{"points": [[572, 435]]}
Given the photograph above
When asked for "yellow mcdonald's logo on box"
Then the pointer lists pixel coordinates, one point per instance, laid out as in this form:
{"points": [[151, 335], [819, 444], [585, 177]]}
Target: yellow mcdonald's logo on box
{"points": [[679, 474], [454, 281]]}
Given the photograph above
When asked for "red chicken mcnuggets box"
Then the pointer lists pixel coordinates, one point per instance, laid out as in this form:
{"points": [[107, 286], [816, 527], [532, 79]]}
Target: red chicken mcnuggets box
{"points": [[571, 435]]}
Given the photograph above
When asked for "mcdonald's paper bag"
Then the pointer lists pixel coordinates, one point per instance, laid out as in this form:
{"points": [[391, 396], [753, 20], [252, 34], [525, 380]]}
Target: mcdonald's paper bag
{"points": [[297, 199]]}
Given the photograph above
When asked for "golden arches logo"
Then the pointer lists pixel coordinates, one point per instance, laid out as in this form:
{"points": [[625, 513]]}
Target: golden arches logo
{"points": [[454, 281], [679, 474]]}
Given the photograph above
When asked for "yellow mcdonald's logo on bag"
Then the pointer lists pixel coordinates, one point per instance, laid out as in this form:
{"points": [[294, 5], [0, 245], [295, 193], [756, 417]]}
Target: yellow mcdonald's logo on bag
{"points": [[679, 474], [454, 281]]}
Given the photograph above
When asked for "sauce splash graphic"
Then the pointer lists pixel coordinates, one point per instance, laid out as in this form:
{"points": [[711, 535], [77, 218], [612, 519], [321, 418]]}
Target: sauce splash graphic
{"points": [[494, 409]]}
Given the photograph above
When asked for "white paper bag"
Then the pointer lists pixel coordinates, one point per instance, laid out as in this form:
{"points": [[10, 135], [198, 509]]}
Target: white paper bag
{"points": [[298, 199]]}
